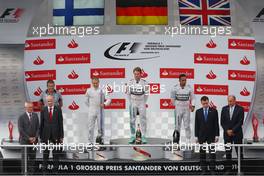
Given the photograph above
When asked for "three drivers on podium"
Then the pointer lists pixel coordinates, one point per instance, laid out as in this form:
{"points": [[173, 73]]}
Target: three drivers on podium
{"points": [[206, 119]]}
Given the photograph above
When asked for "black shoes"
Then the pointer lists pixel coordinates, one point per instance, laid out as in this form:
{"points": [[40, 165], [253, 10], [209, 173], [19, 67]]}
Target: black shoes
{"points": [[176, 136]]}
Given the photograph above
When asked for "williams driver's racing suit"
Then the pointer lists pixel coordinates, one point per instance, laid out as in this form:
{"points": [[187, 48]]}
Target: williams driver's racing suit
{"points": [[96, 97], [183, 99]]}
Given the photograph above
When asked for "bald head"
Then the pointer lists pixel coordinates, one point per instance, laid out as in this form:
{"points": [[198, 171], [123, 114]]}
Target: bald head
{"points": [[50, 100], [29, 107]]}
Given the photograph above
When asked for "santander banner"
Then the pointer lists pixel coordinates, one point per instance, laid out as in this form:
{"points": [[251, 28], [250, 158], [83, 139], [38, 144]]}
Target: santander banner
{"points": [[215, 67]]}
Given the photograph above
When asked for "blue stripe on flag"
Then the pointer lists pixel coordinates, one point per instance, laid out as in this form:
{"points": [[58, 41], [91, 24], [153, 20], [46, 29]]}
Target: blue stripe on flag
{"points": [[69, 12]]}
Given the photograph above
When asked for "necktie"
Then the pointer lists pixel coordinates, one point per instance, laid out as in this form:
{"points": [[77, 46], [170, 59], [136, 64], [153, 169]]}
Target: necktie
{"points": [[205, 114], [30, 117], [231, 112], [50, 114]]}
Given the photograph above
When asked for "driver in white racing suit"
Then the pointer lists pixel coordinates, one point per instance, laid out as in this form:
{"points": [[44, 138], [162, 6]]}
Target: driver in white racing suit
{"points": [[137, 90], [182, 97], [97, 98]]}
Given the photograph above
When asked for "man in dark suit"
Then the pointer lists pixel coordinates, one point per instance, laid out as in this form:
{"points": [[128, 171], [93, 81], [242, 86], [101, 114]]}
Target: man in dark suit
{"points": [[28, 126], [206, 131], [51, 130], [232, 118]]}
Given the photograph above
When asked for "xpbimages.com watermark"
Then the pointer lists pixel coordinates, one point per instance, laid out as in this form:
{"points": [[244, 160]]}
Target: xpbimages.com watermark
{"points": [[213, 147], [80, 31], [213, 31], [80, 147], [85, 147], [125, 88]]}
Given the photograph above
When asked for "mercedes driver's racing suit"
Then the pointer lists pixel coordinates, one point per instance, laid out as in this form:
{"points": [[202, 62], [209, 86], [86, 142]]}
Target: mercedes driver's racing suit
{"points": [[137, 94], [183, 99]]}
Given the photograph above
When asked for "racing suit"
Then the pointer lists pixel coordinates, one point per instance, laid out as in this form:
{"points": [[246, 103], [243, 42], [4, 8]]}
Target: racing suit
{"points": [[96, 97], [183, 99], [137, 95]]}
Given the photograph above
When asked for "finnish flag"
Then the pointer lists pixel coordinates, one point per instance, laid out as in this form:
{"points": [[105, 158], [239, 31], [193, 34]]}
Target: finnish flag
{"points": [[78, 12]]}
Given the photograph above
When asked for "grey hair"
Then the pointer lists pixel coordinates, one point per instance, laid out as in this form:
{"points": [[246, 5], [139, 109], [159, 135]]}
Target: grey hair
{"points": [[233, 96]]}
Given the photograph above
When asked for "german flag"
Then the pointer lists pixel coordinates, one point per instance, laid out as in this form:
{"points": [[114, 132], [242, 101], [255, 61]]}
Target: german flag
{"points": [[141, 12]]}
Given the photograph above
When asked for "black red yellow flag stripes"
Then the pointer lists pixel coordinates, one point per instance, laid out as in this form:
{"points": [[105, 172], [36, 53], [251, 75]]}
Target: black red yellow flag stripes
{"points": [[141, 12]]}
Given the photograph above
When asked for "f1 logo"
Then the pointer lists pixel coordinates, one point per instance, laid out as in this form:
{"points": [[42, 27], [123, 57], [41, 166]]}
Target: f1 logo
{"points": [[128, 46], [14, 12], [260, 13]]}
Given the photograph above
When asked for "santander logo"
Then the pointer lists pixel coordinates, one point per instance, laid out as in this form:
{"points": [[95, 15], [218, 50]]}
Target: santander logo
{"points": [[166, 104], [199, 58], [108, 72], [40, 44], [144, 74], [38, 92], [244, 92], [211, 44], [116, 104], [233, 75], [40, 75], [241, 75], [245, 105], [73, 106], [96, 73], [175, 72], [60, 59], [244, 61], [211, 75], [76, 58], [62, 90], [165, 73], [27, 76], [210, 89], [199, 89], [244, 44], [73, 75], [233, 44], [206, 58], [73, 44], [38, 61], [27, 45], [76, 89]]}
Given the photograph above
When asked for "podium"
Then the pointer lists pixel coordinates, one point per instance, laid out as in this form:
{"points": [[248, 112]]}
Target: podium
{"points": [[143, 152]]}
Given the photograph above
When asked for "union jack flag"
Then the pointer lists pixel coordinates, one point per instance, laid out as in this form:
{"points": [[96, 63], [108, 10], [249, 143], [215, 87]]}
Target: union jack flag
{"points": [[205, 12]]}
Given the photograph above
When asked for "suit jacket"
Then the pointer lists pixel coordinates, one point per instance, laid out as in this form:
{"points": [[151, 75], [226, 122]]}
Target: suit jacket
{"points": [[206, 131], [51, 130], [235, 123], [28, 128]]}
